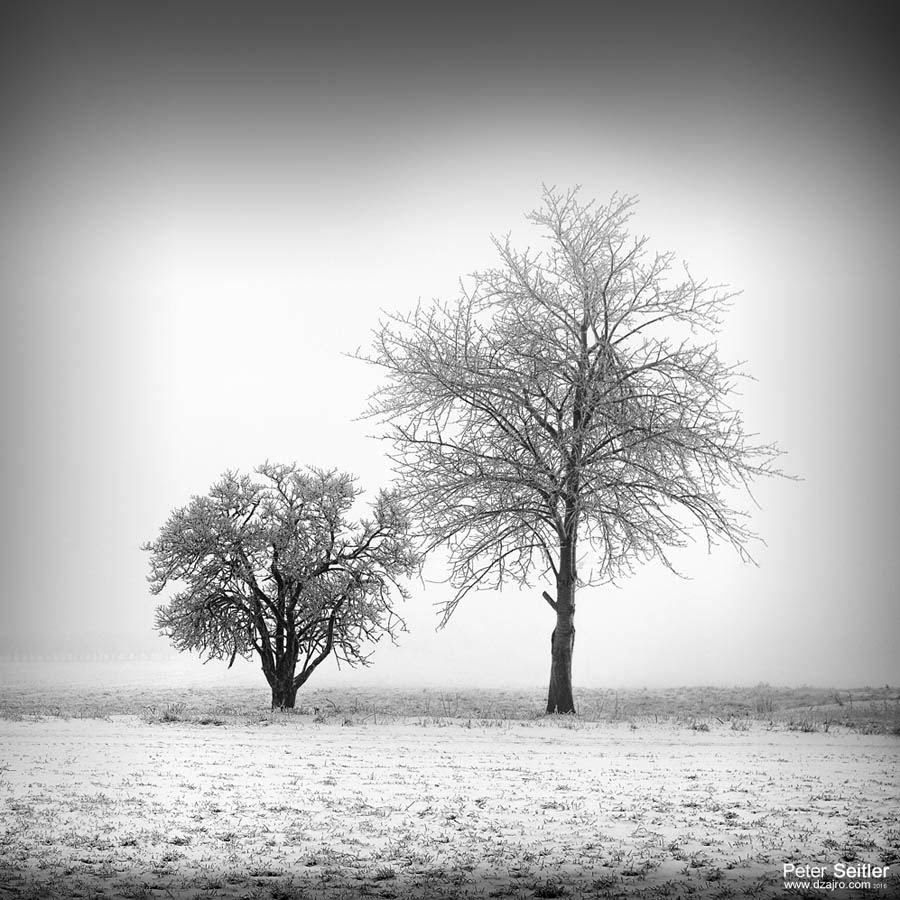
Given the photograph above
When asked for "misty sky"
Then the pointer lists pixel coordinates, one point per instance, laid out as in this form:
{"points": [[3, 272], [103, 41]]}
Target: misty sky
{"points": [[204, 207]]}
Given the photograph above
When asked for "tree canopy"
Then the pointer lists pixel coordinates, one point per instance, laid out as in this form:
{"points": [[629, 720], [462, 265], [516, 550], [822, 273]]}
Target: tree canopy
{"points": [[274, 566]]}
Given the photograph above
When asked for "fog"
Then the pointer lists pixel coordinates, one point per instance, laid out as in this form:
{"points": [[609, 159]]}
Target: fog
{"points": [[205, 209]]}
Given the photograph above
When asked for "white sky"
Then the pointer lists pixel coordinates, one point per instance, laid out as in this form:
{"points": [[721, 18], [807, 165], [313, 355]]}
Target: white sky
{"points": [[193, 242]]}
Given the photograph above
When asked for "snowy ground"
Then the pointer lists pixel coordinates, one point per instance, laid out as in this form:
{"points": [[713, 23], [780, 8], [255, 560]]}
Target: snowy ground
{"points": [[283, 806]]}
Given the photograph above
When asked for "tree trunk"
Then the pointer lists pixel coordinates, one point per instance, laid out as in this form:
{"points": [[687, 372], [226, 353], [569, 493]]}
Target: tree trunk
{"points": [[281, 680], [284, 693], [562, 642]]}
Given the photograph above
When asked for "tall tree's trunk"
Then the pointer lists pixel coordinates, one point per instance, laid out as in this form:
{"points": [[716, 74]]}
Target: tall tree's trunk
{"points": [[562, 642]]}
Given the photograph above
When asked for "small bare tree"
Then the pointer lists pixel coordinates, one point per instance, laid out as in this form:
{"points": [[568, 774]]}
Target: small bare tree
{"points": [[563, 403], [273, 566]]}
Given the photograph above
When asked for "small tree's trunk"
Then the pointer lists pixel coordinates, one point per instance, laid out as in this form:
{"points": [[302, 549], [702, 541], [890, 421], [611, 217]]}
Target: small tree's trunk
{"points": [[281, 680], [562, 642], [284, 694]]}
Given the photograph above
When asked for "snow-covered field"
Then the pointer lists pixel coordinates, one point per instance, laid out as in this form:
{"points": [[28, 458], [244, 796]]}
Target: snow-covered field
{"points": [[281, 806]]}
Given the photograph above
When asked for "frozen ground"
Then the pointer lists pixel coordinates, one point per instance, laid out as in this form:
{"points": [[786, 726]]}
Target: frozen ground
{"points": [[260, 805]]}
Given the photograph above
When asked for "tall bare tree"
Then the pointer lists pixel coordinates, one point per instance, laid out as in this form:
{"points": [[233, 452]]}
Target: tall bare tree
{"points": [[565, 417], [274, 566]]}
